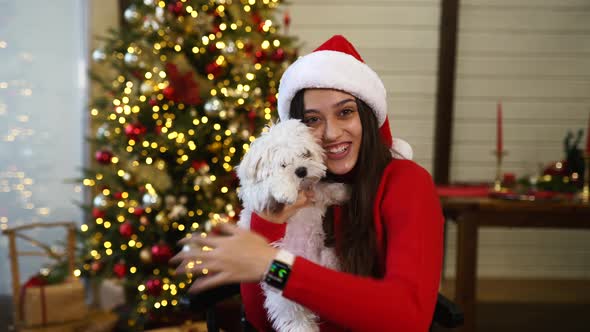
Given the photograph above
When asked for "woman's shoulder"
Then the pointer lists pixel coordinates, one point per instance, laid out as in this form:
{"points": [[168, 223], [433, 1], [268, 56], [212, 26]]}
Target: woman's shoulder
{"points": [[405, 171]]}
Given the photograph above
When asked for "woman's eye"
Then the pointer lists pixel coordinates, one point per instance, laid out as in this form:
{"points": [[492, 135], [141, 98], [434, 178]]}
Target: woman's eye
{"points": [[346, 111], [311, 120]]}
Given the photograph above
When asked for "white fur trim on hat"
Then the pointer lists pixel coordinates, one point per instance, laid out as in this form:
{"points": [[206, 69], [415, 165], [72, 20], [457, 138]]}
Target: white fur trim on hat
{"points": [[333, 70], [402, 149]]}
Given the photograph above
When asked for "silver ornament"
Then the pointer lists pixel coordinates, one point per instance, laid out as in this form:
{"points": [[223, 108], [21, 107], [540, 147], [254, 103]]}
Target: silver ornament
{"points": [[213, 105], [126, 176], [245, 134], [103, 132], [130, 58], [100, 201], [131, 14], [160, 13], [202, 181], [150, 23], [146, 88], [98, 55], [148, 2], [230, 48], [151, 199]]}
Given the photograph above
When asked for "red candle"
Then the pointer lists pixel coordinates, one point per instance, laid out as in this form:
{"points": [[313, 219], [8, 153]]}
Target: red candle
{"points": [[499, 143], [588, 138]]}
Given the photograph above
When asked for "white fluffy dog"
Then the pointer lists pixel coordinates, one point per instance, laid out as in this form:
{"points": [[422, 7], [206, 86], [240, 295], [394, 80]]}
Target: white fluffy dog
{"points": [[278, 165]]}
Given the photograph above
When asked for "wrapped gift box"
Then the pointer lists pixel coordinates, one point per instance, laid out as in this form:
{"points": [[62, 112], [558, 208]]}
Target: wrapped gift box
{"points": [[188, 327], [110, 295], [53, 304]]}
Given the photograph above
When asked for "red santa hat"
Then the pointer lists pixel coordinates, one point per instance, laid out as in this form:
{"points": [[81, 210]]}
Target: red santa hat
{"points": [[336, 65]]}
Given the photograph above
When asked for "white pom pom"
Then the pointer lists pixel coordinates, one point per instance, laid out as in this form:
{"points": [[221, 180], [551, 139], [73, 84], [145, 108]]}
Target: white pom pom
{"points": [[402, 149]]}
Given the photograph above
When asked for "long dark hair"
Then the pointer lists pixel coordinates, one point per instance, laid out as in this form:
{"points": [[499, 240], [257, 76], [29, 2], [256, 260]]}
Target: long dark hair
{"points": [[357, 251]]}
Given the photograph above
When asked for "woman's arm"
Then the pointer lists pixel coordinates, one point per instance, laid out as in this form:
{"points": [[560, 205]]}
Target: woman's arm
{"points": [[404, 299]]}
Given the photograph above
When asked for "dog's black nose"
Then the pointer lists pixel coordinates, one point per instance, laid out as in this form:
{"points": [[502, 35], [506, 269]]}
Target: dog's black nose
{"points": [[301, 172]]}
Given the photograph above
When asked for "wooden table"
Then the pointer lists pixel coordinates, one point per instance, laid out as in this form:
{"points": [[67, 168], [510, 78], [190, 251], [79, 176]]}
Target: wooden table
{"points": [[472, 213]]}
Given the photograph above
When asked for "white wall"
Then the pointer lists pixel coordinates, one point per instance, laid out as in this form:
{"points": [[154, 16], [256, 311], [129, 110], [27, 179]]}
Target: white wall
{"points": [[534, 55], [42, 111]]}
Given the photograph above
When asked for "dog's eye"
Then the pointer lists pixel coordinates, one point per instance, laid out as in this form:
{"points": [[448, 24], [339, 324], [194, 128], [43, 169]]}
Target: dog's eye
{"points": [[307, 154], [283, 165]]}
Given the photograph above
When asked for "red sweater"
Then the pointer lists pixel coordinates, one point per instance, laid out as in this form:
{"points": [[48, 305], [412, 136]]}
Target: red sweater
{"points": [[404, 299]]}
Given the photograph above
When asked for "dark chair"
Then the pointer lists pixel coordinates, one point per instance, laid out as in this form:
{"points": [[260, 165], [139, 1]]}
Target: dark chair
{"points": [[446, 313]]}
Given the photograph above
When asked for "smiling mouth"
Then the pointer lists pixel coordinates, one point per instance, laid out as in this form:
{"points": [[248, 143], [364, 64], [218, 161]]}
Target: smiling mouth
{"points": [[338, 151]]}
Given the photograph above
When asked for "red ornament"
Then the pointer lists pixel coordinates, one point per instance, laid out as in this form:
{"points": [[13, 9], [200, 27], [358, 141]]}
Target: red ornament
{"points": [[153, 102], [118, 195], [137, 74], [272, 99], [214, 69], [183, 88], [260, 56], [278, 55], [138, 211], [248, 48], [256, 18], [126, 229], [120, 269], [135, 130], [96, 266], [144, 220], [176, 8], [161, 253], [154, 287], [198, 164], [98, 213], [158, 129], [103, 157], [168, 92]]}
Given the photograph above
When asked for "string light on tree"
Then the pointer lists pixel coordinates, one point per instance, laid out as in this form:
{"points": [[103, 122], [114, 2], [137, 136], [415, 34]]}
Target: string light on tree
{"points": [[189, 84]]}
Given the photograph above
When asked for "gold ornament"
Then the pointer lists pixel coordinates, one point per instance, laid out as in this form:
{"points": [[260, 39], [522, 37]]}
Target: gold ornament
{"points": [[162, 219], [145, 255]]}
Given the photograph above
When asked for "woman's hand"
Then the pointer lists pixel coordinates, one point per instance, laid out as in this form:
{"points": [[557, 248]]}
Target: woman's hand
{"points": [[238, 255], [303, 198]]}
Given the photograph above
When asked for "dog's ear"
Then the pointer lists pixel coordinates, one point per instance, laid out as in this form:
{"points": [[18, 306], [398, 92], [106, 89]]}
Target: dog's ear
{"points": [[248, 167], [256, 167]]}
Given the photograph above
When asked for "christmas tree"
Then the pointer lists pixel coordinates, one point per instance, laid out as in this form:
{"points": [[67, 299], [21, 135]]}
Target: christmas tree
{"points": [[185, 87]]}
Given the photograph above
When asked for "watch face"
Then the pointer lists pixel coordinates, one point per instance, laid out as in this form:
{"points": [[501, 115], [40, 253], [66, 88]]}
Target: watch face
{"points": [[277, 274]]}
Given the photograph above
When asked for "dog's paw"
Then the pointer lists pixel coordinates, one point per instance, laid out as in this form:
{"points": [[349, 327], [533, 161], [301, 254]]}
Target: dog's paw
{"points": [[284, 193]]}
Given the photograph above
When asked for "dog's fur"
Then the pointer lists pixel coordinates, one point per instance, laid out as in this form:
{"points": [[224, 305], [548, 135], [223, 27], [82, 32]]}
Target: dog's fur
{"points": [[268, 181]]}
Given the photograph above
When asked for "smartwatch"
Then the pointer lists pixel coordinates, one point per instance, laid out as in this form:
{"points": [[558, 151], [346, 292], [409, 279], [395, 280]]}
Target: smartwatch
{"points": [[279, 270]]}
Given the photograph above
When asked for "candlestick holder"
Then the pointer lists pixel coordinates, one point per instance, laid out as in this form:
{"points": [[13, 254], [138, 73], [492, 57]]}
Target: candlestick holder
{"points": [[585, 194], [498, 180]]}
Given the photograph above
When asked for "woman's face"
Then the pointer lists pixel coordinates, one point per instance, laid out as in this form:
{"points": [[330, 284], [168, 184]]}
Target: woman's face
{"points": [[333, 117]]}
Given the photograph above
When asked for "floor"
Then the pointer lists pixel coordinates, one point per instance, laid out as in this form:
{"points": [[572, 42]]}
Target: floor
{"points": [[505, 305]]}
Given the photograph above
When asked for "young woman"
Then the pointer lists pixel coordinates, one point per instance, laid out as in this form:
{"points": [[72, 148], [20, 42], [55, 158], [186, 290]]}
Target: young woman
{"points": [[388, 236]]}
